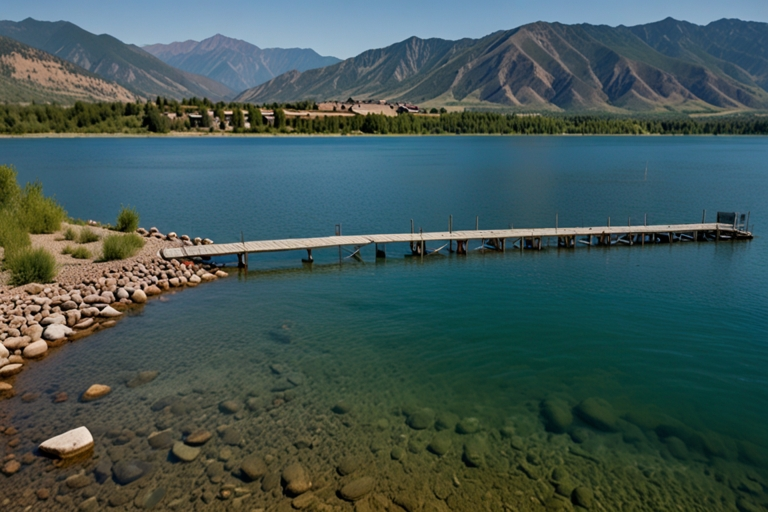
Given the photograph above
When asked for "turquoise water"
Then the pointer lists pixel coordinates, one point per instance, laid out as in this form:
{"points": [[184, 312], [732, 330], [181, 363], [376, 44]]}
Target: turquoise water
{"points": [[672, 337]]}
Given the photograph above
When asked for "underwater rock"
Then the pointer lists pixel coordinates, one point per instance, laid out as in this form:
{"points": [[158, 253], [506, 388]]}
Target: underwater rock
{"points": [[557, 415], [128, 471], [198, 437], [583, 497], [468, 426], [341, 407], [253, 467], [160, 440], [474, 452], [446, 421], [598, 413], [229, 407], [142, 378], [185, 452], [357, 489], [677, 448], [421, 419], [95, 392], [296, 479], [440, 444], [397, 453], [348, 465]]}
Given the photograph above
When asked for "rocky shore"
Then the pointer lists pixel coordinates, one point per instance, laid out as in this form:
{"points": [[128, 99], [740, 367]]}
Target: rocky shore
{"points": [[87, 297]]}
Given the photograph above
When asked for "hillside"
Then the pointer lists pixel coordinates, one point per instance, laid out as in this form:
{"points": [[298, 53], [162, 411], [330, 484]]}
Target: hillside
{"points": [[666, 66], [103, 55], [237, 64], [28, 74]]}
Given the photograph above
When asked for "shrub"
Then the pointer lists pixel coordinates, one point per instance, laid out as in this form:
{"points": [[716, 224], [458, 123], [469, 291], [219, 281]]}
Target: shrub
{"points": [[10, 192], [127, 220], [13, 235], [70, 234], [40, 214], [87, 235], [31, 266], [80, 253], [119, 247], [68, 249]]}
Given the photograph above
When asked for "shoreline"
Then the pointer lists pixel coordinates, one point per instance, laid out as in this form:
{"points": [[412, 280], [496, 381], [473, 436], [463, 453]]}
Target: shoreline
{"points": [[85, 298], [182, 135]]}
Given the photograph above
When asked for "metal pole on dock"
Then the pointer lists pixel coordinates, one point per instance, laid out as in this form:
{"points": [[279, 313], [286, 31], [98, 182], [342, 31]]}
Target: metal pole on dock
{"points": [[477, 222], [338, 233], [704, 216], [609, 222], [556, 221], [450, 230]]}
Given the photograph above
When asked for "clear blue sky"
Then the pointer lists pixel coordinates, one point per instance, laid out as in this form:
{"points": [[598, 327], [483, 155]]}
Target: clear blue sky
{"points": [[345, 28]]}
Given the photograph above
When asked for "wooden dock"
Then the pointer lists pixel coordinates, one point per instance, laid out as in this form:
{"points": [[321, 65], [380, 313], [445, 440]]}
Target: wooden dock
{"points": [[458, 241]]}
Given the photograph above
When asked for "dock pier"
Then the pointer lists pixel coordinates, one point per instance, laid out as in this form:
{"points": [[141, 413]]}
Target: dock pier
{"points": [[729, 227]]}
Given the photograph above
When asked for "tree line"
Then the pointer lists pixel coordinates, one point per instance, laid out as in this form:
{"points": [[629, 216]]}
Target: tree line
{"points": [[153, 116]]}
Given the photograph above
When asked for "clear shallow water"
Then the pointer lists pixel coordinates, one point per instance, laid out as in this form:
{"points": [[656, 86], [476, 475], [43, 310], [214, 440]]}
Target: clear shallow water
{"points": [[673, 337]]}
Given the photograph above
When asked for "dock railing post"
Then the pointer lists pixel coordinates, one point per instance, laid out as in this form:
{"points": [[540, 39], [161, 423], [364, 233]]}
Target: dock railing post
{"points": [[338, 233], [450, 231], [704, 216]]}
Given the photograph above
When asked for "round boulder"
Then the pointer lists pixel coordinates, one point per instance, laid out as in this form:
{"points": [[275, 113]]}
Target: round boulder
{"points": [[357, 489]]}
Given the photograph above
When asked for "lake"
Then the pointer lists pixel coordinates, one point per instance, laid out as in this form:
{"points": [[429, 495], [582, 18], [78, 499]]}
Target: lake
{"points": [[611, 378]]}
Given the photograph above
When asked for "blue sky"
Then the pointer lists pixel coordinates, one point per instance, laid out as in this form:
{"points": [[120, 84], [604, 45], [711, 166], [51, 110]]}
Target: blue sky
{"points": [[345, 28]]}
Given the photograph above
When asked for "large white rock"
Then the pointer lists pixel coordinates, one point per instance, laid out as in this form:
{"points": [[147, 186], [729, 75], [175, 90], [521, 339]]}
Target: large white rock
{"points": [[139, 296], [35, 349], [4, 352], [56, 332], [69, 444], [34, 331], [109, 312]]}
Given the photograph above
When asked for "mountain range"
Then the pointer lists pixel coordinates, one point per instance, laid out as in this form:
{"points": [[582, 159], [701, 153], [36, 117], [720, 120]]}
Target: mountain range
{"points": [[128, 65], [668, 65], [28, 74], [235, 63]]}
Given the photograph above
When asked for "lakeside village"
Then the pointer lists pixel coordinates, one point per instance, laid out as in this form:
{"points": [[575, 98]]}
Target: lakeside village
{"points": [[217, 118]]}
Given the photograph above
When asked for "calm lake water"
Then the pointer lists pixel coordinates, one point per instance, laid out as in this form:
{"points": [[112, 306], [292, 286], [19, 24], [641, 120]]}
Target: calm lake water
{"points": [[669, 343]]}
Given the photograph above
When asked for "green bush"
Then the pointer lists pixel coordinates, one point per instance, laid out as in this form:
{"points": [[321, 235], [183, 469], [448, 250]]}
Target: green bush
{"points": [[10, 192], [40, 214], [119, 247], [127, 220], [31, 266], [13, 235], [70, 234], [80, 253], [87, 235]]}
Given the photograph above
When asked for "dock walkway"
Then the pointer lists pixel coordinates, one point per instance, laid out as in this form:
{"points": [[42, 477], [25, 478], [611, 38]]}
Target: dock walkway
{"points": [[493, 239]]}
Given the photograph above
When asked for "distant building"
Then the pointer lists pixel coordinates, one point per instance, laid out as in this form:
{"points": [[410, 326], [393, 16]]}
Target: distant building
{"points": [[405, 108]]}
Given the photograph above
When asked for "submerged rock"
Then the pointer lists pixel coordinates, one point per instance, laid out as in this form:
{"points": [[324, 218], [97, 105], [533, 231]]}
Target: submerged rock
{"points": [[357, 489], [421, 419], [185, 452], [198, 437], [475, 450], [142, 378], [557, 415], [583, 497], [95, 392], [253, 467], [348, 465], [468, 426], [440, 444], [296, 479], [598, 413], [127, 471]]}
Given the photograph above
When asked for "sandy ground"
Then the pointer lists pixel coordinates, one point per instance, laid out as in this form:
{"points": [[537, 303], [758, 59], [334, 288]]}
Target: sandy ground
{"points": [[74, 271]]}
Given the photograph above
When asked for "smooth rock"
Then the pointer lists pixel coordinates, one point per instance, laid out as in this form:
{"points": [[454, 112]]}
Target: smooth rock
{"points": [[348, 465], [421, 419], [142, 378], [153, 498], [296, 479], [10, 370], [84, 324], [4, 353], [127, 471], [440, 444], [77, 481], [11, 467], [138, 296], [95, 392], [583, 496], [69, 444], [161, 440], [152, 290], [35, 349], [598, 413], [56, 332], [446, 421], [229, 407], [474, 452], [198, 437], [557, 415], [56, 318], [677, 448], [253, 467], [185, 452], [16, 342], [231, 436], [122, 293], [34, 288], [34, 331], [357, 489], [109, 312], [468, 426]]}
